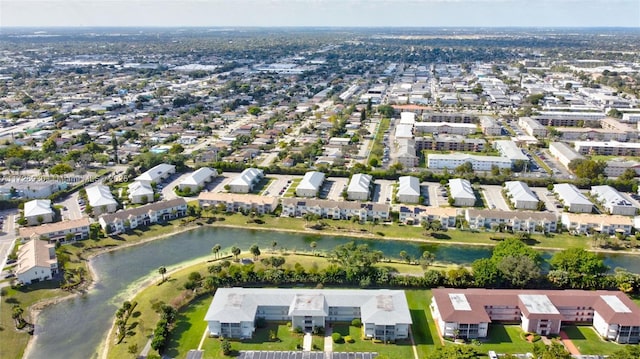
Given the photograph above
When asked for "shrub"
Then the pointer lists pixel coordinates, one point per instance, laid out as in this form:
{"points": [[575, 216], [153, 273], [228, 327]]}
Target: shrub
{"points": [[536, 337], [226, 347], [356, 323], [377, 341], [297, 330], [337, 338], [349, 339]]}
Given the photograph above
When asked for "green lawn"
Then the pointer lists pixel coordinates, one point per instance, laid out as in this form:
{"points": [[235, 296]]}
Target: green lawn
{"points": [[425, 333], [13, 341], [401, 349], [588, 341], [505, 339]]}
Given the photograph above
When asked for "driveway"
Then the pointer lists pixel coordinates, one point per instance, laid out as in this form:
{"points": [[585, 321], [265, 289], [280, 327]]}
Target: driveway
{"points": [[549, 200], [494, 198], [338, 184]]}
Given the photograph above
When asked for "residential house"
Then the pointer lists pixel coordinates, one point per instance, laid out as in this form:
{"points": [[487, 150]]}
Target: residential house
{"points": [[310, 184], [613, 201], [146, 215], [517, 221], [360, 187], [157, 174], [408, 189], [36, 262], [461, 192], [573, 200], [38, 211], [364, 211], [238, 202], [101, 199], [196, 180], [520, 195], [246, 181], [64, 231], [140, 192], [588, 223]]}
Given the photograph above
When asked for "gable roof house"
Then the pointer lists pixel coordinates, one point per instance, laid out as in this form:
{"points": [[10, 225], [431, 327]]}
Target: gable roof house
{"points": [[196, 180], [38, 211], [408, 189], [613, 201], [461, 192], [36, 261], [140, 192], [310, 184], [246, 181], [157, 174], [573, 200], [359, 187], [101, 199], [520, 195]]}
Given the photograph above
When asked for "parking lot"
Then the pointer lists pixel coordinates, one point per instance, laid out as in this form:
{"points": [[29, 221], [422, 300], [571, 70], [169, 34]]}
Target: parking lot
{"points": [[278, 186], [494, 199], [547, 197], [333, 188], [382, 191]]}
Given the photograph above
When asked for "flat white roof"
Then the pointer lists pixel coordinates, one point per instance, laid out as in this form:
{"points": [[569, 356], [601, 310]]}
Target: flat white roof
{"points": [[538, 304], [615, 303], [459, 301]]}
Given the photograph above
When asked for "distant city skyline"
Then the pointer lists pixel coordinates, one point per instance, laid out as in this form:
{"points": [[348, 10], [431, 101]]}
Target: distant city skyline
{"points": [[342, 13]]}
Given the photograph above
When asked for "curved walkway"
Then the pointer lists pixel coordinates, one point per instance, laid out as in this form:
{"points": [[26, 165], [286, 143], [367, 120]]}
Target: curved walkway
{"points": [[568, 343]]}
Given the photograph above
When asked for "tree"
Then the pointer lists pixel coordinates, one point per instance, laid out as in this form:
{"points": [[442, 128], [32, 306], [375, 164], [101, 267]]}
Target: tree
{"points": [[519, 270], [274, 244], [16, 315], [226, 347], [255, 250], [162, 270], [584, 168], [60, 169], [515, 248], [628, 352], [465, 168], [216, 250], [427, 259], [578, 261], [404, 256], [485, 273], [176, 148], [236, 252], [49, 146], [553, 351]]}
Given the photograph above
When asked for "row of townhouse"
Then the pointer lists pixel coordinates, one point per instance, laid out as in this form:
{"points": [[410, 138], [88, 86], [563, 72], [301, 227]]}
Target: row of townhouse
{"points": [[518, 221], [417, 214], [72, 230], [364, 211], [142, 216], [610, 148], [586, 223], [448, 142], [237, 202]]}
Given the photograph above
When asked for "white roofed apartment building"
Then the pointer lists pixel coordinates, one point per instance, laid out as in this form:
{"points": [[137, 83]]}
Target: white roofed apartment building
{"points": [[384, 313], [613, 201], [510, 150], [101, 199], [157, 174], [489, 126], [518, 221], [461, 192], [64, 231], [532, 127], [444, 127], [38, 211], [238, 202], [584, 223], [479, 163], [572, 199], [360, 187], [364, 211], [564, 153], [406, 154], [197, 180], [246, 181], [310, 184], [408, 189], [520, 195], [140, 192]]}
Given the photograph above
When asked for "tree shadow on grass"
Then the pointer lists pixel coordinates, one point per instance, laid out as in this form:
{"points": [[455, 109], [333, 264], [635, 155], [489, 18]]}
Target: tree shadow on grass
{"points": [[421, 333], [440, 236], [182, 326]]}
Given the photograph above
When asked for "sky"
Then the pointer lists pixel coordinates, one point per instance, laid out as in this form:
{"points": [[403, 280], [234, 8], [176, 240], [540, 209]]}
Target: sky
{"points": [[351, 13]]}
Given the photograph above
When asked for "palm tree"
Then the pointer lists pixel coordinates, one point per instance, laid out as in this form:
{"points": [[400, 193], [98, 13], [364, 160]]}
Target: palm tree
{"points": [[255, 250], [162, 270], [236, 252], [313, 246], [274, 244], [216, 249], [16, 314]]}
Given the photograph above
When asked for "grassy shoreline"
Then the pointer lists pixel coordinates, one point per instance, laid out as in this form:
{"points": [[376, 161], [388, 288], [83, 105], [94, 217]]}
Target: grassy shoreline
{"points": [[89, 249]]}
